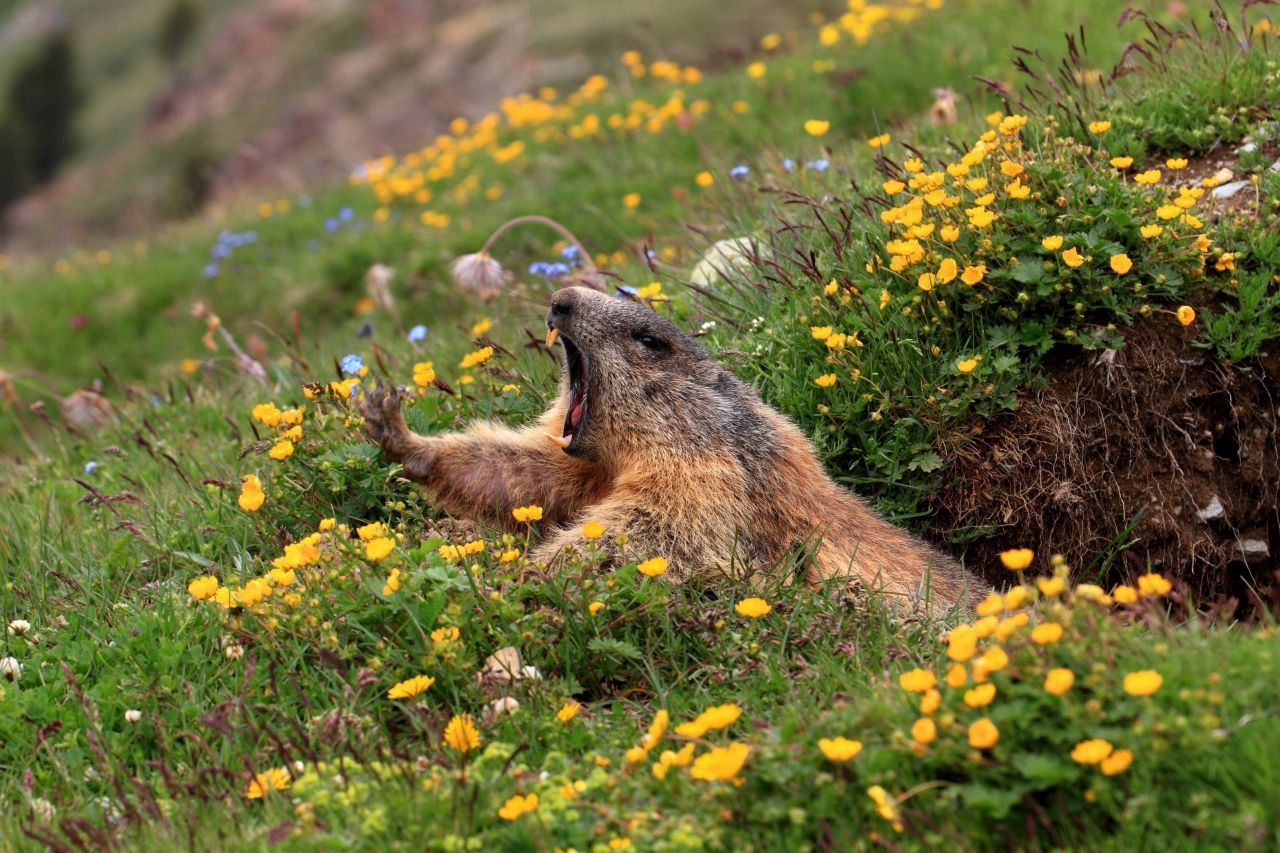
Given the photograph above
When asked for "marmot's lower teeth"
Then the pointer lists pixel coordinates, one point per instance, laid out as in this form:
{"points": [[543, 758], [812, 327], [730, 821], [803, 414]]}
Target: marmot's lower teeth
{"points": [[562, 440]]}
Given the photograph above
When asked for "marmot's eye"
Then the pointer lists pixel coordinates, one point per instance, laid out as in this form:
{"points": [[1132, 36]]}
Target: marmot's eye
{"points": [[649, 341]]}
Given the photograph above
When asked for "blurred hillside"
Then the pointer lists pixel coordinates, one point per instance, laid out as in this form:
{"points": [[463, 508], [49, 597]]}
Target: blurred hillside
{"points": [[175, 105]]}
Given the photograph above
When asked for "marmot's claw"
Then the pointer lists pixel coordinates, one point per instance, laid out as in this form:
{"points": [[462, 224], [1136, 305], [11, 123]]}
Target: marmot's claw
{"points": [[383, 421]]}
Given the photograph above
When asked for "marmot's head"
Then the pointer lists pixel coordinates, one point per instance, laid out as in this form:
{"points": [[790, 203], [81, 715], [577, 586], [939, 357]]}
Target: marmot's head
{"points": [[633, 381]]}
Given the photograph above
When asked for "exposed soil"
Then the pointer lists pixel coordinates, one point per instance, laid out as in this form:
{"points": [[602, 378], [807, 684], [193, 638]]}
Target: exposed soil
{"points": [[1146, 436]]}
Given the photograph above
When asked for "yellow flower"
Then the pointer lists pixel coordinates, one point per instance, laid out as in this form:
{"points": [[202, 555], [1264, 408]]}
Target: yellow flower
{"points": [[966, 365], [1121, 162], [653, 567], [202, 587], [328, 524], [820, 333], [267, 414], [1017, 559], [994, 659], [893, 187], [826, 380], [188, 366], [1099, 126], [1046, 633], [1052, 243], [983, 734], [377, 549], [1149, 177], [1059, 681], [720, 763], [1143, 682], [595, 607], [704, 179], [1186, 315], [1116, 762], [592, 530], [446, 634], [631, 201], [481, 326], [532, 512], [752, 608], [973, 274], [1176, 163], [950, 234], [947, 271], [1120, 264], [480, 356], [930, 701], [879, 141], [917, 680], [509, 555], [1150, 231], [886, 806], [1073, 258], [424, 373], [410, 687], [251, 494], [839, 749], [926, 281], [816, 127], [1168, 211], [517, 806], [461, 734], [980, 696], [1051, 586], [956, 676], [1011, 169], [1124, 594], [756, 70], [924, 731], [962, 644], [281, 451], [568, 711], [275, 779], [1091, 751]]}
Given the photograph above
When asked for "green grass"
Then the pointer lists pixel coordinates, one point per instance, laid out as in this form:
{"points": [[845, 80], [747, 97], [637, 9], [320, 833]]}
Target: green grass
{"points": [[100, 561]]}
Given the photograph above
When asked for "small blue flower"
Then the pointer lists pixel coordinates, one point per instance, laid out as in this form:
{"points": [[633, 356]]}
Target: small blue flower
{"points": [[352, 364], [220, 251], [788, 164], [570, 254], [539, 268], [346, 214], [557, 270], [650, 254], [417, 333], [90, 467], [332, 225], [365, 331], [249, 237], [818, 165], [210, 270], [627, 289], [739, 172]]}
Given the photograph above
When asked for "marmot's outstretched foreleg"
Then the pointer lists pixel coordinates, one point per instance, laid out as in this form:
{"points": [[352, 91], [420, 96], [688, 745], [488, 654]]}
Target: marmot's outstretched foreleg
{"points": [[486, 471]]}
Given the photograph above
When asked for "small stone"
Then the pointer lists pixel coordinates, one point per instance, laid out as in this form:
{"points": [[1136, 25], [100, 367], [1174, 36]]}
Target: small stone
{"points": [[1228, 190], [1252, 550], [1275, 167], [1212, 511], [1223, 175], [1247, 148]]}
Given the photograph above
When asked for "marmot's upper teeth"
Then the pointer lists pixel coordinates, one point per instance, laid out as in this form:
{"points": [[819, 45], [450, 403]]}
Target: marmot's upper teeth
{"points": [[562, 440], [552, 334]]}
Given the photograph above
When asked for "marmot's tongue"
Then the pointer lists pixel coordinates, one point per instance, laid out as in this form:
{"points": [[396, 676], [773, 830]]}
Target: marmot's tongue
{"points": [[575, 415]]}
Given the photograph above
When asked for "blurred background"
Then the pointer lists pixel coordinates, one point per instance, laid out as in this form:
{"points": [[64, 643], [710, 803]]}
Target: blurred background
{"points": [[118, 115]]}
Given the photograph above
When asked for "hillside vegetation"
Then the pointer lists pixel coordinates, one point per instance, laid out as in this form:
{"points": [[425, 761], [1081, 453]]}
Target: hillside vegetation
{"points": [[233, 625]]}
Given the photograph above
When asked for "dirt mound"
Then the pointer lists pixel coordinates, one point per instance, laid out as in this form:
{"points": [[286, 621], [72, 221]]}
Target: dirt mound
{"points": [[1154, 454]]}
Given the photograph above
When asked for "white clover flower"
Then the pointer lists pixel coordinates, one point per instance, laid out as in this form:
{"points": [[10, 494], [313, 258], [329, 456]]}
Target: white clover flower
{"points": [[133, 715], [10, 668], [234, 651], [19, 627]]}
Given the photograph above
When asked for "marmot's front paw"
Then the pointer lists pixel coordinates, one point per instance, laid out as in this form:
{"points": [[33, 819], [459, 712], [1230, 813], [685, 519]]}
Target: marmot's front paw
{"points": [[383, 421]]}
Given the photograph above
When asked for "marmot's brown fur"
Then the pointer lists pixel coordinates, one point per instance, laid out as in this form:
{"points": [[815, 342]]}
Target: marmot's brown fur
{"points": [[654, 439]]}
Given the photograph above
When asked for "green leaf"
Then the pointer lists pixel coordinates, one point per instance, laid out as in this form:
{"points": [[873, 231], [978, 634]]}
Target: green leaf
{"points": [[993, 802], [618, 649], [926, 462], [1045, 769]]}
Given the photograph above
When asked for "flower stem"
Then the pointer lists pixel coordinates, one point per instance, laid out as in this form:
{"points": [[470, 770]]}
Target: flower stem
{"points": [[542, 220]]}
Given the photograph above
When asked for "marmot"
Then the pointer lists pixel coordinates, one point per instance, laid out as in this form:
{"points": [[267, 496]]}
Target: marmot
{"points": [[654, 439]]}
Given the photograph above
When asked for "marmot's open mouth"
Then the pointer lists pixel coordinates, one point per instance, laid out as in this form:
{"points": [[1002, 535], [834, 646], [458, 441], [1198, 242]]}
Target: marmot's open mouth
{"points": [[575, 419]]}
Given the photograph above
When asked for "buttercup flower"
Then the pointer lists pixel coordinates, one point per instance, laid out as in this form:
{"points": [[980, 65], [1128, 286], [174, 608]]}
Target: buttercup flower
{"points": [[262, 784], [924, 731], [410, 687], [653, 567], [1017, 559], [753, 608], [983, 734], [1059, 681], [1091, 751], [816, 127], [839, 749], [517, 806], [917, 680], [461, 734], [720, 763], [592, 530], [1186, 315], [1142, 683]]}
